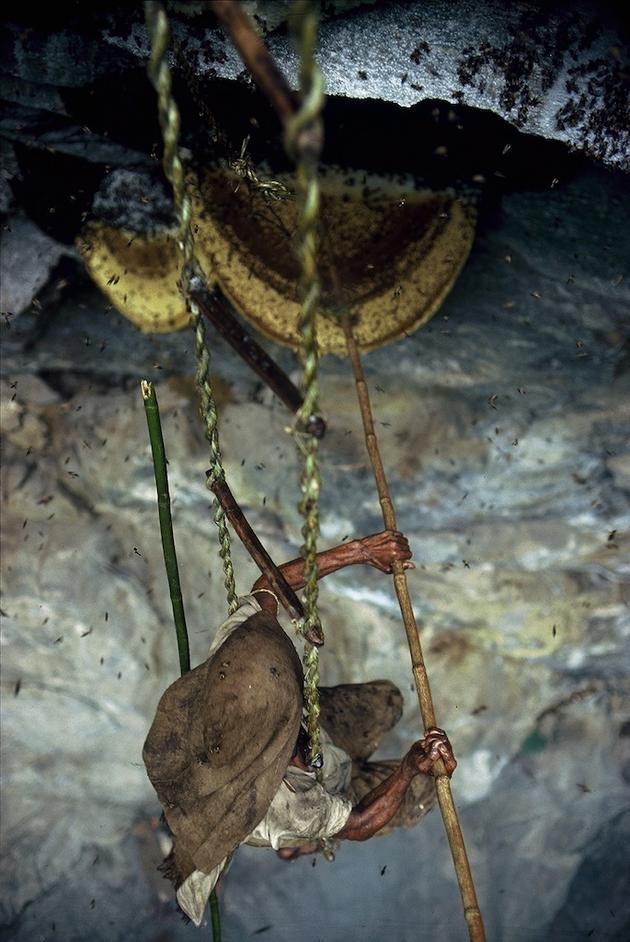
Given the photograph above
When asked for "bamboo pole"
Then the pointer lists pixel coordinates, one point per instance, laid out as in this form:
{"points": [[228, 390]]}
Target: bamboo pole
{"points": [[154, 425], [215, 917], [152, 412], [472, 912]]}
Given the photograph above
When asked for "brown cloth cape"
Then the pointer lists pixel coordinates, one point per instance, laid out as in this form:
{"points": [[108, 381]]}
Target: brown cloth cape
{"points": [[222, 739]]}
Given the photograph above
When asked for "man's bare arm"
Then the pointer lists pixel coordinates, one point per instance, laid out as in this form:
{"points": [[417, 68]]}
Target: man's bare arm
{"points": [[378, 807], [379, 550]]}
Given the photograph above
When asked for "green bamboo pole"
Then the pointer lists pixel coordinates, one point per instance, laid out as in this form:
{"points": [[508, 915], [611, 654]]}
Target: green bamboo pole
{"points": [[215, 916], [152, 412], [154, 425]]}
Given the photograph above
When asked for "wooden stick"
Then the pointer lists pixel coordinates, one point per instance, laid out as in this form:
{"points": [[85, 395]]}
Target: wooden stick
{"points": [[442, 782], [154, 425], [261, 557], [216, 308], [256, 56]]}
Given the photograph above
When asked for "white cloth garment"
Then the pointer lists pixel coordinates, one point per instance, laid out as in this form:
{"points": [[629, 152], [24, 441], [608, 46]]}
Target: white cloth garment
{"points": [[301, 811]]}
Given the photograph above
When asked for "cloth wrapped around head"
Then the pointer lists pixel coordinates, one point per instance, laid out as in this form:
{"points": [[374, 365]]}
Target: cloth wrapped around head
{"points": [[221, 741]]}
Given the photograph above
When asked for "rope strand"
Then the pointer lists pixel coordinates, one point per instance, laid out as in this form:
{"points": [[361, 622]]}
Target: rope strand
{"points": [[168, 113], [303, 140]]}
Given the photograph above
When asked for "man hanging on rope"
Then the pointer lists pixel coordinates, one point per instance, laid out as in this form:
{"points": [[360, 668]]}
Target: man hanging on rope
{"points": [[228, 756]]}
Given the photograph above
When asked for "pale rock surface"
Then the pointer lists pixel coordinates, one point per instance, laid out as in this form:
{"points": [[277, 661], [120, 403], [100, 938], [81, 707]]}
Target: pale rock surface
{"points": [[27, 256], [504, 428]]}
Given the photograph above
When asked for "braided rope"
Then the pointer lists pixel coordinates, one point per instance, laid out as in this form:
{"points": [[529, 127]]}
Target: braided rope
{"points": [[303, 138], [168, 113]]}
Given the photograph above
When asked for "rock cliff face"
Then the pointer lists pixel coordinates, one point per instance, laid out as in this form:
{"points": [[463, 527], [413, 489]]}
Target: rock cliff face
{"points": [[559, 70], [504, 425]]}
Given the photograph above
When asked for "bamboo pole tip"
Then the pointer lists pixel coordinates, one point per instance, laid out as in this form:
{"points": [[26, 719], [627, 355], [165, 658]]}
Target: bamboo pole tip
{"points": [[146, 388]]}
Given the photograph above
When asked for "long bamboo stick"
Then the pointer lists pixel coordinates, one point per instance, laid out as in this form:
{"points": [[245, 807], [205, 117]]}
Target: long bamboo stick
{"points": [[154, 425], [472, 912], [152, 412]]}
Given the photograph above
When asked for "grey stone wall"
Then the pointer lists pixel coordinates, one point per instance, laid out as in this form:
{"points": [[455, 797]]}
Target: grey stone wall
{"points": [[504, 428]]}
